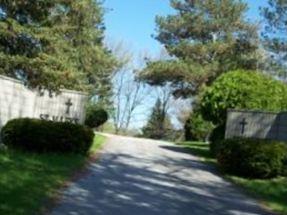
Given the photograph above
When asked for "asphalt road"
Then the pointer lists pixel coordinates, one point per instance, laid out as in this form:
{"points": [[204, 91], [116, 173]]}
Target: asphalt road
{"points": [[145, 177]]}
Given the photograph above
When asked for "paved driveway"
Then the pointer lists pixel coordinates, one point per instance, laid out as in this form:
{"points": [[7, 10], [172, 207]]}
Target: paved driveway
{"points": [[145, 177]]}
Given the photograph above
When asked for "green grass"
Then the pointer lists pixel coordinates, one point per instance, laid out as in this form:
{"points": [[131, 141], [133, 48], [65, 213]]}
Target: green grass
{"points": [[201, 150], [273, 193], [28, 181], [98, 143]]}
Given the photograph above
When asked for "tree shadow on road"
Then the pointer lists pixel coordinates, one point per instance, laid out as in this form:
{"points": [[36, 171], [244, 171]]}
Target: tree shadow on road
{"points": [[131, 185]]}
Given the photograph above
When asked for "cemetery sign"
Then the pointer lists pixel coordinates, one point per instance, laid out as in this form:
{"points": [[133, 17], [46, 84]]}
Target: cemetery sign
{"points": [[16, 101], [256, 124]]}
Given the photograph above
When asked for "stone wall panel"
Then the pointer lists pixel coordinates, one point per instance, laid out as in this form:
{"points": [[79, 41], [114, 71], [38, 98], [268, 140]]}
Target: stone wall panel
{"points": [[17, 101], [256, 124]]}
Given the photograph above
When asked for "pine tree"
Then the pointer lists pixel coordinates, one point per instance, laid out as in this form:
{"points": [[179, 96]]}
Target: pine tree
{"points": [[204, 39], [55, 44], [28, 48], [158, 124], [82, 24]]}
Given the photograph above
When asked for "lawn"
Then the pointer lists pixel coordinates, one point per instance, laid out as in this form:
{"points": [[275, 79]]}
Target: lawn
{"points": [[273, 193], [28, 181], [201, 150]]}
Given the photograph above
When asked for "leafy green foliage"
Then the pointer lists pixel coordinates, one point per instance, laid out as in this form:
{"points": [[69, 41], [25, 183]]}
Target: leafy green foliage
{"points": [[34, 135], [196, 128], [204, 39], [96, 117], [253, 158], [242, 90]]}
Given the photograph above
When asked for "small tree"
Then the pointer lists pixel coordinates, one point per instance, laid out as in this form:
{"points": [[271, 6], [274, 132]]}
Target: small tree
{"points": [[196, 128], [95, 116], [158, 125]]}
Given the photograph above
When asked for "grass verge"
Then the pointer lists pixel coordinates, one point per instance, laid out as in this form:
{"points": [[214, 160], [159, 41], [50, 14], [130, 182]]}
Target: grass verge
{"points": [[201, 150], [28, 181], [273, 193]]}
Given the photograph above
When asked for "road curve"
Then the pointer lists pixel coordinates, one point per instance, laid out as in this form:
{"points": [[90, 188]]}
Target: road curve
{"points": [[146, 177]]}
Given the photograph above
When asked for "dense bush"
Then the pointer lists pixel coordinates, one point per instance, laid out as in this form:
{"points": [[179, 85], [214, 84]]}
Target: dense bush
{"points": [[242, 90], [196, 128], [96, 117], [216, 138], [253, 158], [35, 135]]}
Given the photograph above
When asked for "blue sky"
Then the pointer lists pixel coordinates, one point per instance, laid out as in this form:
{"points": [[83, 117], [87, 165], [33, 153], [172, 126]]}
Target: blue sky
{"points": [[132, 21]]}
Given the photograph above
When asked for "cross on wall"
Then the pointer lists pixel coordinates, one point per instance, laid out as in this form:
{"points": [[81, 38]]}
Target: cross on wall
{"points": [[69, 104], [243, 124]]}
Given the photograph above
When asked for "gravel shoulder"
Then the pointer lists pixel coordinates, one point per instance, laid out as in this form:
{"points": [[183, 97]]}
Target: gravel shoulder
{"points": [[146, 177]]}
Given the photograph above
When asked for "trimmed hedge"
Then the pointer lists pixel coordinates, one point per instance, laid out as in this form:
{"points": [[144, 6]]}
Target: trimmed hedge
{"points": [[253, 158], [41, 136], [96, 117]]}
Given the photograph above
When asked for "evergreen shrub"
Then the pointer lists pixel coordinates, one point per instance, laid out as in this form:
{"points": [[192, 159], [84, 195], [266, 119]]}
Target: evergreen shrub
{"points": [[41, 136], [96, 117], [253, 158]]}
